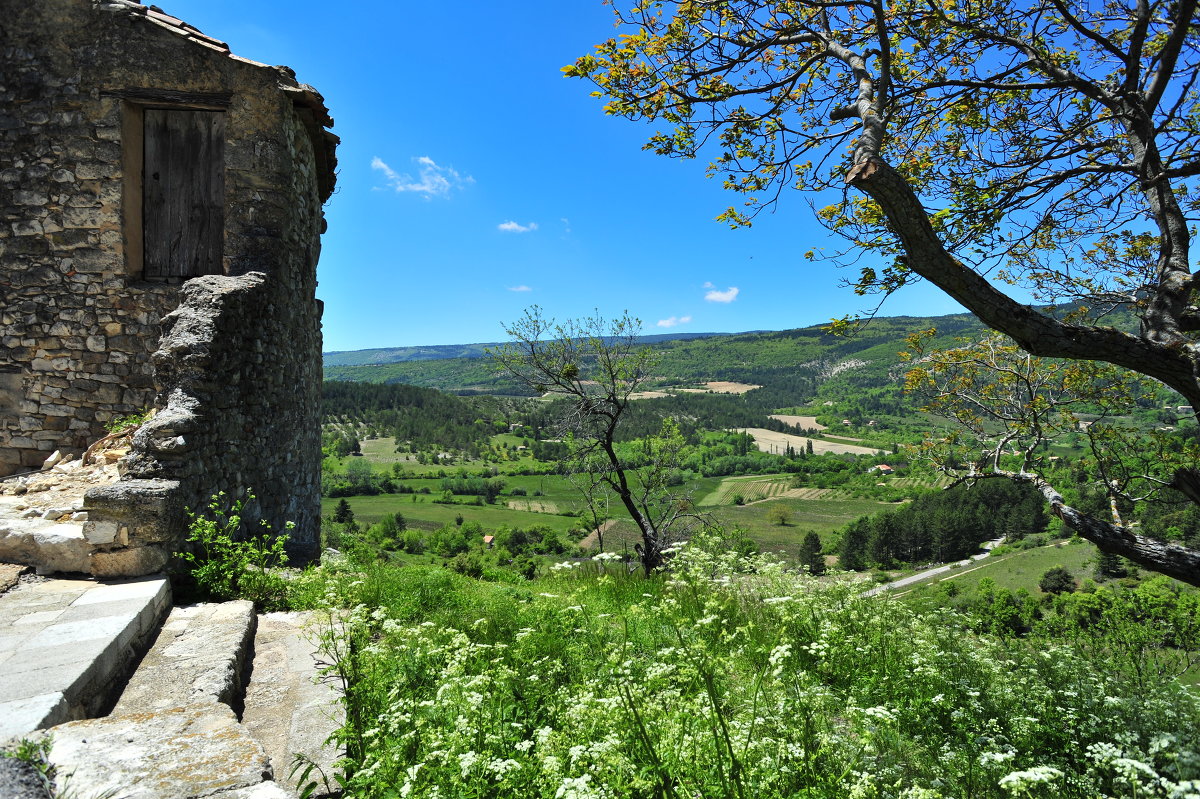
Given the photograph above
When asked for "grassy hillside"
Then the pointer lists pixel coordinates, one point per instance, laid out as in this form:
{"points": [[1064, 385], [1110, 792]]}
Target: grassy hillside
{"points": [[441, 352], [772, 359]]}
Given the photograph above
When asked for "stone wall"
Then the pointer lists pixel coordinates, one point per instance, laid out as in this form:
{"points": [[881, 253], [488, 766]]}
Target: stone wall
{"points": [[76, 331], [230, 422], [80, 322]]}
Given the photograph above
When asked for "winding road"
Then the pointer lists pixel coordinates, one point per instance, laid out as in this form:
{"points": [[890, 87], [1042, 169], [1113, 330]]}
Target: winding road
{"points": [[903, 582]]}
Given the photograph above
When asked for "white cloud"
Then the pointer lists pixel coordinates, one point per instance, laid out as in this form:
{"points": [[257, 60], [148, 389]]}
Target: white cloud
{"points": [[519, 288], [708, 285], [728, 295], [566, 224], [431, 181], [674, 320], [512, 227]]}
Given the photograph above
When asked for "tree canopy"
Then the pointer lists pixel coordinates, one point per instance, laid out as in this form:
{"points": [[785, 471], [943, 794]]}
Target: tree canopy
{"points": [[1008, 152]]}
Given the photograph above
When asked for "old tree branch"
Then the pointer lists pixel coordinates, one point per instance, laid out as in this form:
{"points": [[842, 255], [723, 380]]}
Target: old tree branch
{"points": [[1051, 142]]}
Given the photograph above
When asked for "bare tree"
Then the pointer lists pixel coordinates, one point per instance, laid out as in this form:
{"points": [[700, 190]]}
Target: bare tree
{"points": [[597, 366], [976, 145]]}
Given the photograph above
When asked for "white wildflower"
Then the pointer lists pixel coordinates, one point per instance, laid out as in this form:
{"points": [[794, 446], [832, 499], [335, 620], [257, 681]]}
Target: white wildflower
{"points": [[575, 788], [996, 757], [502, 767], [879, 712], [1021, 780]]}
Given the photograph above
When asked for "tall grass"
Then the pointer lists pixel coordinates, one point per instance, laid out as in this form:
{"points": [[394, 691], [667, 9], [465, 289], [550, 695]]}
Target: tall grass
{"points": [[730, 678]]}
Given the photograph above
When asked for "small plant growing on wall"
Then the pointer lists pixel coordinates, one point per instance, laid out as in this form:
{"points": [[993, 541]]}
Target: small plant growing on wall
{"points": [[227, 561], [119, 424]]}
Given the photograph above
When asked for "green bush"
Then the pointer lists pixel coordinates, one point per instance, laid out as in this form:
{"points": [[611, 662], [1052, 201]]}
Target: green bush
{"points": [[227, 562], [119, 424]]}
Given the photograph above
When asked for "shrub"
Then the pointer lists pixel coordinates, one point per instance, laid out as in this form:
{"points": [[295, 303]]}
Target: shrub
{"points": [[1057, 580], [731, 678], [119, 424], [227, 562]]}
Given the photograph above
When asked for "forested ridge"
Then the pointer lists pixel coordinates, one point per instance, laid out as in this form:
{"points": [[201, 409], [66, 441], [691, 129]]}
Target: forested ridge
{"points": [[771, 359]]}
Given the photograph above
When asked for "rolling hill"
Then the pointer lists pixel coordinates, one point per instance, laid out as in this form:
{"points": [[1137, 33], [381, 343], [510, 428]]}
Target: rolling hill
{"points": [[770, 359]]}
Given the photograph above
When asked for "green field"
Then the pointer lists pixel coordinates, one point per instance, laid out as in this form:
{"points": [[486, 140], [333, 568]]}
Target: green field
{"points": [[1024, 568], [382, 453], [549, 495], [426, 514], [822, 516], [755, 488]]}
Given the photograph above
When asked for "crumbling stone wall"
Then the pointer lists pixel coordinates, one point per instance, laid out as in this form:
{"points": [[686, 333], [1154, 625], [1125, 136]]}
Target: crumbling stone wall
{"points": [[79, 313], [229, 367]]}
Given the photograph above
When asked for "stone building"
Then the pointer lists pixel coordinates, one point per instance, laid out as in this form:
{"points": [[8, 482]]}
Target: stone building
{"points": [[161, 203]]}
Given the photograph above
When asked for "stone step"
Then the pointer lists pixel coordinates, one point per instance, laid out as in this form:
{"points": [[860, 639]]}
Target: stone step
{"points": [[289, 708], [65, 644], [174, 732], [197, 659], [180, 753]]}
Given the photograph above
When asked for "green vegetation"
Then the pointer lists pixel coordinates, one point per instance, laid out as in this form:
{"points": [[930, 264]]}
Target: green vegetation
{"points": [[943, 526], [485, 653], [227, 561], [119, 424], [734, 677], [37, 755], [763, 89], [427, 515], [1022, 569]]}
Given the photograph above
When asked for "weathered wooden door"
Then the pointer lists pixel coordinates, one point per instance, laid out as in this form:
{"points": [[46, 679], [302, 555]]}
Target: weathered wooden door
{"points": [[183, 192]]}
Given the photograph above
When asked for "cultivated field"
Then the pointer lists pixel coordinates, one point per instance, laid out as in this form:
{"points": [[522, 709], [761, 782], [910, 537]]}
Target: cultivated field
{"points": [[532, 505], [757, 488], [771, 441], [824, 516], [721, 387], [428, 515], [807, 422]]}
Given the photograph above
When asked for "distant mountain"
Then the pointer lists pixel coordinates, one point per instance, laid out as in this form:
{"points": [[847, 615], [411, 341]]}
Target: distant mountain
{"points": [[435, 352], [781, 359]]}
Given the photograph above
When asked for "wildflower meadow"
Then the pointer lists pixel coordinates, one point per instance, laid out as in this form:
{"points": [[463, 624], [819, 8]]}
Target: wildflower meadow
{"points": [[729, 676]]}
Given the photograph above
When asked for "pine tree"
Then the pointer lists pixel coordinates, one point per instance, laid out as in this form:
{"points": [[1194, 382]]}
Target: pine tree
{"points": [[343, 514]]}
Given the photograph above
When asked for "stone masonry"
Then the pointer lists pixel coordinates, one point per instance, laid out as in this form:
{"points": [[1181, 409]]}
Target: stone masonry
{"points": [[107, 305]]}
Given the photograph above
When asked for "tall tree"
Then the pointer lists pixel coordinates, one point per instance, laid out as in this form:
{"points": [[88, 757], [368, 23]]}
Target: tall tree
{"points": [[343, 514], [1041, 143]]}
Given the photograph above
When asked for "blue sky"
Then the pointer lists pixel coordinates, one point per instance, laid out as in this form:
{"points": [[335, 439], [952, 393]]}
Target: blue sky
{"points": [[474, 180]]}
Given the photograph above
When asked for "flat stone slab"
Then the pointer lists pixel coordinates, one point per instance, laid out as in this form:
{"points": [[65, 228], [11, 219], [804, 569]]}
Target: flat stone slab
{"points": [[64, 645], [197, 658], [180, 753], [288, 709]]}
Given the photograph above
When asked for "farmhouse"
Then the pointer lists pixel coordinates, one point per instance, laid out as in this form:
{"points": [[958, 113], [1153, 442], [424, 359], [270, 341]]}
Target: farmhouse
{"points": [[162, 202]]}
